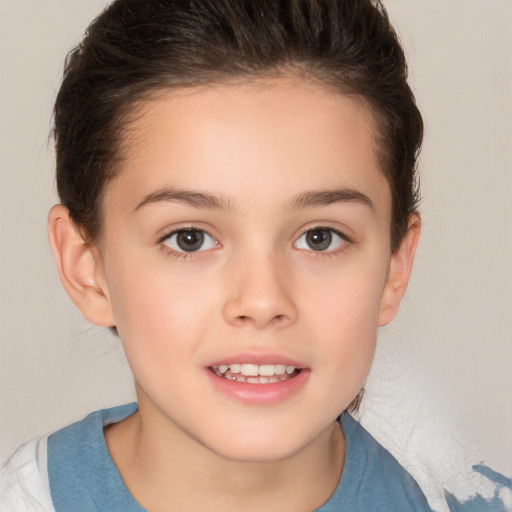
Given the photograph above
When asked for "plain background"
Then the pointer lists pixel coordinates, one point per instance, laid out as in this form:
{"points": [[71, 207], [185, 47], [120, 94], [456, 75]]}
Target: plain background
{"points": [[456, 320]]}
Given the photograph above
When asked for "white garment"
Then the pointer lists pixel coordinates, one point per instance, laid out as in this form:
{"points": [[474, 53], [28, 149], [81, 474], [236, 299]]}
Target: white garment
{"points": [[24, 479], [407, 413]]}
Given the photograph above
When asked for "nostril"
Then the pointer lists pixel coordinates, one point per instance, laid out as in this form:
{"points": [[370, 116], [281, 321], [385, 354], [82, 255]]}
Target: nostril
{"points": [[275, 319]]}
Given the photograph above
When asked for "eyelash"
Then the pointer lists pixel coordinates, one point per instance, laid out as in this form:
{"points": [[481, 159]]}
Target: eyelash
{"points": [[182, 254], [345, 241]]}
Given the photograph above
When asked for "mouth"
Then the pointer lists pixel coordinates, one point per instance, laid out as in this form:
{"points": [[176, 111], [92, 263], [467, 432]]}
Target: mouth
{"points": [[260, 380], [254, 373]]}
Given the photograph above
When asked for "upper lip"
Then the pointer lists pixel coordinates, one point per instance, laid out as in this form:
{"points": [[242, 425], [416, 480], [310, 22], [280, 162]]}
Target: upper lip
{"points": [[259, 359]]}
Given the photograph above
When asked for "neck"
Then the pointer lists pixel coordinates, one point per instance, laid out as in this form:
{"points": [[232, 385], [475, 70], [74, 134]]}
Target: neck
{"points": [[165, 470]]}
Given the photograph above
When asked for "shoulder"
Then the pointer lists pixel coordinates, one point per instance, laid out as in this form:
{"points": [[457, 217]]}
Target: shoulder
{"points": [[385, 482], [373, 478], [83, 442], [56, 472], [24, 479], [81, 471]]}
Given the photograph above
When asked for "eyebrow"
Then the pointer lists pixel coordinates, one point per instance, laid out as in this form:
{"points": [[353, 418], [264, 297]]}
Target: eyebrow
{"points": [[207, 200], [330, 196], [192, 198]]}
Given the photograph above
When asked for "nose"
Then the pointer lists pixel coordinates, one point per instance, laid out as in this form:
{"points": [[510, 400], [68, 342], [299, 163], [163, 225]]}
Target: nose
{"points": [[260, 294]]}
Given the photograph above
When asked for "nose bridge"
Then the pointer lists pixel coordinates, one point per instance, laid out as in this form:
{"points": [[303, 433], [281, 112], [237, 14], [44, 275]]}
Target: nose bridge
{"points": [[260, 291]]}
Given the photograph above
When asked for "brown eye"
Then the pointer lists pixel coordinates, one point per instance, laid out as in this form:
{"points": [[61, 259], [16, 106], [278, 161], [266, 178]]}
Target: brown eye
{"points": [[190, 240], [320, 240]]}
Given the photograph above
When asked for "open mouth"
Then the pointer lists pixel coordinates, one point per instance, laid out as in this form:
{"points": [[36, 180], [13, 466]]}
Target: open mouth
{"points": [[254, 373]]}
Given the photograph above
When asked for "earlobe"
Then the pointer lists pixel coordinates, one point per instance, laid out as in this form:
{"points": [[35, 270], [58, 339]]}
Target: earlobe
{"points": [[400, 267], [78, 265]]}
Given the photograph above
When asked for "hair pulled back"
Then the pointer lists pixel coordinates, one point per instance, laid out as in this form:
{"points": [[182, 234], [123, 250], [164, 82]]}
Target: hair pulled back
{"points": [[138, 47]]}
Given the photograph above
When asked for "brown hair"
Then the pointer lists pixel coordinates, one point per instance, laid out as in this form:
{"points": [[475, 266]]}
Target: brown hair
{"points": [[138, 47]]}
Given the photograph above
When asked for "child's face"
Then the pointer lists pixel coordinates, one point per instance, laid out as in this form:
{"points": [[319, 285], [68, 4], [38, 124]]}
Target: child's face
{"points": [[249, 225]]}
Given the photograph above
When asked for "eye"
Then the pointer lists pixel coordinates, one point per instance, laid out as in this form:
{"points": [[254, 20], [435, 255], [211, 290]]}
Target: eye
{"points": [[189, 240], [320, 239]]}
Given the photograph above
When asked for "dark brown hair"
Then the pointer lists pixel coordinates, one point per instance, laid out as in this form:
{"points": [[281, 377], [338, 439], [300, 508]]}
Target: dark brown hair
{"points": [[138, 47]]}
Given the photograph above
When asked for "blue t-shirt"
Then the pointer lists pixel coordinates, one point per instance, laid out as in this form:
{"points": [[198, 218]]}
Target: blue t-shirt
{"points": [[83, 477]]}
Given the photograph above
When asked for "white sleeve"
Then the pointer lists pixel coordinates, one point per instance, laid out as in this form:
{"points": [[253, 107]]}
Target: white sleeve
{"points": [[24, 483]]}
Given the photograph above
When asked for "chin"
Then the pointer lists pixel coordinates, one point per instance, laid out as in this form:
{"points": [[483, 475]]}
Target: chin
{"points": [[256, 452], [262, 444]]}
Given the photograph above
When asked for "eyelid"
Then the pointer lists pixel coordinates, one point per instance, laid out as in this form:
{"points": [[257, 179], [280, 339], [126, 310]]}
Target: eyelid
{"points": [[344, 237], [170, 232], [327, 225], [184, 226]]}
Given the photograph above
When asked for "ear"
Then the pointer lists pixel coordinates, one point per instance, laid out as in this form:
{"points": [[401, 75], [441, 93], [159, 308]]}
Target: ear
{"points": [[79, 265], [400, 267]]}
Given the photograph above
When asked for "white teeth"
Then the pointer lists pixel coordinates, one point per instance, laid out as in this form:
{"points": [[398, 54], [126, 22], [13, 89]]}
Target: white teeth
{"points": [[235, 368], [249, 370], [267, 370], [279, 369], [254, 370]]}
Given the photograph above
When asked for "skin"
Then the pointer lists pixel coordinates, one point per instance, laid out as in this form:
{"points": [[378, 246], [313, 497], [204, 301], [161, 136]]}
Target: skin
{"points": [[255, 289]]}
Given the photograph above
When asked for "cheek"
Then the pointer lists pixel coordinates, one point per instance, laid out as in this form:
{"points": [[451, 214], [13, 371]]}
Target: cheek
{"points": [[345, 311], [349, 335], [159, 309], [158, 328], [348, 295]]}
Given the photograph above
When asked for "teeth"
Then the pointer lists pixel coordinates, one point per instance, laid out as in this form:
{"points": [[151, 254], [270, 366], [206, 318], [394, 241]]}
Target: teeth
{"points": [[249, 370], [254, 370], [279, 369], [235, 368], [267, 370]]}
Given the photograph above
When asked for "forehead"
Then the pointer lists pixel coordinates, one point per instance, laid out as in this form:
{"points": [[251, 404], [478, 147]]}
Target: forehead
{"points": [[249, 140]]}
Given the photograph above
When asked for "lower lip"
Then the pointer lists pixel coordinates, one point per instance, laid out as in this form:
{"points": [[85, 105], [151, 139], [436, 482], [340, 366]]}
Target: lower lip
{"points": [[259, 394]]}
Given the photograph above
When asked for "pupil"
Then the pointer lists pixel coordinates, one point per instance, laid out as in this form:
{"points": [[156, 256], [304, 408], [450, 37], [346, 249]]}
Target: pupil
{"points": [[190, 241], [319, 239]]}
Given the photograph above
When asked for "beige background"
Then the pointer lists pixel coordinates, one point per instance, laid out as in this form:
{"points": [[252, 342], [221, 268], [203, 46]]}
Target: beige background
{"points": [[455, 325]]}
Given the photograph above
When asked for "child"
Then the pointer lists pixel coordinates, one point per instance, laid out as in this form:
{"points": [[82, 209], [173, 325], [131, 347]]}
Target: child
{"points": [[239, 205]]}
